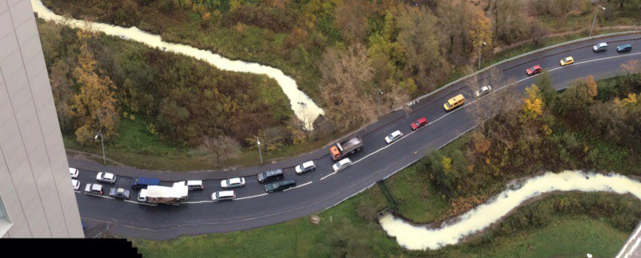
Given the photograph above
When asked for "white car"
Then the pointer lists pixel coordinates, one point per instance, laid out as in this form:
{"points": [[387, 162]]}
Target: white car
{"points": [[76, 184], [106, 177], [342, 164], [484, 90], [305, 167], [73, 173], [233, 182], [393, 136], [223, 196]]}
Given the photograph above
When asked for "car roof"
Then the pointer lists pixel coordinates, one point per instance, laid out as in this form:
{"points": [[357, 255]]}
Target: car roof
{"points": [[397, 132], [226, 193], [345, 160], [234, 180], [421, 119], [308, 163]]}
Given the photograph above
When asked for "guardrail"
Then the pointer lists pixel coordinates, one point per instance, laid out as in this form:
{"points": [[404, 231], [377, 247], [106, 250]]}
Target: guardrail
{"points": [[413, 102]]}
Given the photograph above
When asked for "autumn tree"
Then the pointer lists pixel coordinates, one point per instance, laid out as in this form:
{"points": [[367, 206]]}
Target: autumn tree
{"points": [[576, 98], [351, 19], [62, 94], [532, 106], [95, 107], [346, 86], [418, 35], [510, 21], [223, 147], [544, 82]]}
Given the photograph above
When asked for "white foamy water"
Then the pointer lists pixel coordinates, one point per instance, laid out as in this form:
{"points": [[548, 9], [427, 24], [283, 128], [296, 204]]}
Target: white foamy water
{"points": [[421, 238], [303, 106]]}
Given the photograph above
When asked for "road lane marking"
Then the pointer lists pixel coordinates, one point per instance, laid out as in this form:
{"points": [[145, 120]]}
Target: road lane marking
{"points": [[249, 197], [141, 203], [297, 186], [197, 202], [330, 174], [636, 233]]}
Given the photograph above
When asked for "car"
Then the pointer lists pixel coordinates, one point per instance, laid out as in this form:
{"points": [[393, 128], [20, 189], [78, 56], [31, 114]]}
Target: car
{"points": [[76, 184], [143, 182], [106, 177], [93, 189], [73, 173], [223, 196], [280, 186], [342, 164], [393, 136], [305, 167], [624, 48], [419, 123], [534, 70], [194, 185], [233, 182], [567, 61], [119, 193], [272, 175], [600, 47], [484, 90], [454, 102]]}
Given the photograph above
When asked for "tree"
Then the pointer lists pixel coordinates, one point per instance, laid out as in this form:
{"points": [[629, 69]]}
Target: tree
{"points": [[346, 81], [351, 19], [549, 93], [62, 94], [576, 98], [95, 107], [532, 105], [223, 147]]}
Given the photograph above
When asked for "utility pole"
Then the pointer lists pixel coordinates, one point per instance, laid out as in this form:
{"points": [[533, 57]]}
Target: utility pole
{"points": [[378, 106], [480, 48], [594, 20], [259, 153], [102, 142]]}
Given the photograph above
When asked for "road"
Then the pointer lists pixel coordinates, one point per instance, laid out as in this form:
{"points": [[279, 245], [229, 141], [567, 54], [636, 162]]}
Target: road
{"points": [[321, 189]]}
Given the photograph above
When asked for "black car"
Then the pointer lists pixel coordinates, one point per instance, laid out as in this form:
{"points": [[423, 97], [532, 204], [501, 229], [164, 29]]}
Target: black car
{"points": [[270, 176], [119, 193], [279, 186]]}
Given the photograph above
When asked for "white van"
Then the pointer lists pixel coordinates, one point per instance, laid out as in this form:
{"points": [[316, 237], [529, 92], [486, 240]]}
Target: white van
{"points": [[195, 184], [223, 196]]}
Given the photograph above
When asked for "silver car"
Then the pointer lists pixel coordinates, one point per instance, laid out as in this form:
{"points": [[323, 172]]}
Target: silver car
{"points": [[106, 177], [484, 90], [305, 167], [233, 182], [342, 164], [393, 136]]}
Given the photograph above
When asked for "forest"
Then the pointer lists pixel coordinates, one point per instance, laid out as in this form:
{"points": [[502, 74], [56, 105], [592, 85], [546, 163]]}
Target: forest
{"points": [[346, 55]]}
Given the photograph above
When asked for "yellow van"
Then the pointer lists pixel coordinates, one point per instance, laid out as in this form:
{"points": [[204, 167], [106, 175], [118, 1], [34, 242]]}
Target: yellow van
{"points": [[454, 102]]}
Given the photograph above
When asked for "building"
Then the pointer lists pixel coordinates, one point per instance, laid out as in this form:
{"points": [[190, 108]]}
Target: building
{"points": [[36, 196]]}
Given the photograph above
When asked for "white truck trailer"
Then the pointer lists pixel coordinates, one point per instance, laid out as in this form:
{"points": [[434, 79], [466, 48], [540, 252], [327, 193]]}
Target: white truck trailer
{"points": [[156, 194]]}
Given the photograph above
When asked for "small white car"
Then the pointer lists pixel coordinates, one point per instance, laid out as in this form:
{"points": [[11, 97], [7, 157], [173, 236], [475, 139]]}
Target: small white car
{"points": [[342, 164], [73, 173], [484, 90], [195, 184], [233, 182], [93, 189], [223, 196], [393, 136], [106, 177], [76, 184], [305, 167]]}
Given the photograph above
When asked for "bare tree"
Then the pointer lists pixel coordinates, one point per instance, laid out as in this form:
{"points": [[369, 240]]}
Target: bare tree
{"points": [[223, 147], [537, 32]]}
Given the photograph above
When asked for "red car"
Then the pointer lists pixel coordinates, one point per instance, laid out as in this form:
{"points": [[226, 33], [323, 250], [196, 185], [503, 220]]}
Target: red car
{"points": [[419, 123], [534, 70]]}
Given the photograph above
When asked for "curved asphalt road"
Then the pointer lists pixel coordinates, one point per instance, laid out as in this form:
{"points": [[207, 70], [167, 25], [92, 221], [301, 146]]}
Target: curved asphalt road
{"points": [[321, 189]]}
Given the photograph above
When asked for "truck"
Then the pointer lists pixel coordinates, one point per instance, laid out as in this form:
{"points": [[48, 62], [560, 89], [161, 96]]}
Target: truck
{"points": [[157, 194], [144, 182], [346, 147]]}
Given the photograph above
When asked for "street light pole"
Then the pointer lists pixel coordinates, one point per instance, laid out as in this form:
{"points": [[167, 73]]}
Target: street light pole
{"points": [[480, 48], [594, 20], [102, 143], [378, 106], [259, 153]]}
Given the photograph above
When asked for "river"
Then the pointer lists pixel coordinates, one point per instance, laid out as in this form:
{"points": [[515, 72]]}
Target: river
{"points": [[417, 237], [304, 107]]}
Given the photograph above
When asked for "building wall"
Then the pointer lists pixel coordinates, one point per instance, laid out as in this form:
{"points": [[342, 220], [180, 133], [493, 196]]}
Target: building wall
{"points": [[34, 180]]}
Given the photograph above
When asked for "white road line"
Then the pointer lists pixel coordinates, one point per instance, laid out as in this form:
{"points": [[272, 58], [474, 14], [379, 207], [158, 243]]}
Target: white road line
{"points": [[249, 197], [101, 196], [141, 203], [197, 202], [297, 186], [634, 247], [330, 174]]}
